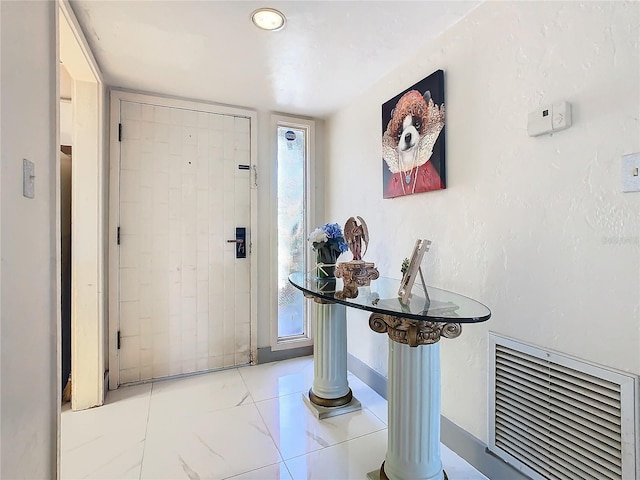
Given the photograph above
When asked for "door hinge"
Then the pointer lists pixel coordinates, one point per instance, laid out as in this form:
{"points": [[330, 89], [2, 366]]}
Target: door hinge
{"points": [[255, 176], [118, 340], [119, 132], [118, 236]]}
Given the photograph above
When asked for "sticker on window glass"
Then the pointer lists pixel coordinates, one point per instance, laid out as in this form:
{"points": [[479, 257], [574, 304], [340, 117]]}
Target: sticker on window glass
{"points": [[289, 135]]}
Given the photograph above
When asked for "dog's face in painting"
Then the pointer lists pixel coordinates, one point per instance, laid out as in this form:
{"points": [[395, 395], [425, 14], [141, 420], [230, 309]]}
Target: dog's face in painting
{"points": [[409, 134], [408, 123]]}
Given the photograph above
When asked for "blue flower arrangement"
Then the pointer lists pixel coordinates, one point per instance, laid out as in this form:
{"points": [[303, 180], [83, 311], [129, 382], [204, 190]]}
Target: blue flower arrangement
{"points": [[328, 242]]}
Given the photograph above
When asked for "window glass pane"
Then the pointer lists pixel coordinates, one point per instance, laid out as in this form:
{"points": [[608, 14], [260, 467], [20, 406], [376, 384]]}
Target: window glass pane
{"points": [[291, 229]]}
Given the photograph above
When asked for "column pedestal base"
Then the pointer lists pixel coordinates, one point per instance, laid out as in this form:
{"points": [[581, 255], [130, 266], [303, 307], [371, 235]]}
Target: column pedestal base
{"points": [[380, 475], [321, 412]]}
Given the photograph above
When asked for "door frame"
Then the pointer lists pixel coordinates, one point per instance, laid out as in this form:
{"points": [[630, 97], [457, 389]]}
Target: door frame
{"points": [[116, 96], [309, 126], [88, 216]]}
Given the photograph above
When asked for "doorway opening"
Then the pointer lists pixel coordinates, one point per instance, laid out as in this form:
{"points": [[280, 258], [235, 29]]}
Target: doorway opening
{"points": [[65, 269]]}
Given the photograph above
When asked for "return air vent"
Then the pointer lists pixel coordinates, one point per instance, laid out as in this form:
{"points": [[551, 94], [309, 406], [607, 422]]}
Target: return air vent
{"points": [[555, 417]]}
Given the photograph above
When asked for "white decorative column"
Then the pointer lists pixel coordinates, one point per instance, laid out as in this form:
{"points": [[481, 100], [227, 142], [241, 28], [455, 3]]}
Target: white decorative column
{"points": [[330, 394], [413, 448], [330, 353]]}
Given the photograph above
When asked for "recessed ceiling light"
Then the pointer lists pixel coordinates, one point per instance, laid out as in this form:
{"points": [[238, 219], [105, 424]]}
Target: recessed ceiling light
{"points": [[268, 19]]}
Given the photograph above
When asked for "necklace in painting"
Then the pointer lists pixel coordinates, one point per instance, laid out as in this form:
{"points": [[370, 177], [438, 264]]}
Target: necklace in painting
{"points": [[409, 174]]}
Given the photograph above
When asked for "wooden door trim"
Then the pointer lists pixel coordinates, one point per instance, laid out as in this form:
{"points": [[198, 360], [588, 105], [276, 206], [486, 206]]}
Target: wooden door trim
{"points": [[88, 309]]}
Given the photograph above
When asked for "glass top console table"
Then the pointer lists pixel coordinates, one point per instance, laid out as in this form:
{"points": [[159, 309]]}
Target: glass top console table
{"points": [[414, 330]]}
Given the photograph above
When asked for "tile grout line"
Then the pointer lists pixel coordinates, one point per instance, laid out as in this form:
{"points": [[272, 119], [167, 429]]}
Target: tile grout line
{"points": [[385, 427], [283, 461], [255, 404], [146, 430], [249, 471], [288, 469], [281, 464], [335, 444]]}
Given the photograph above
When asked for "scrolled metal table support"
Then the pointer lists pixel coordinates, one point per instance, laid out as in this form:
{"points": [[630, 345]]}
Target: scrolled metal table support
{"points": [[413, 449], [413, 332]]}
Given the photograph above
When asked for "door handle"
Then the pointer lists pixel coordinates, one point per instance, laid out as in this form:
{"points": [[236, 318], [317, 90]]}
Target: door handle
{"points": [[241, 235]]}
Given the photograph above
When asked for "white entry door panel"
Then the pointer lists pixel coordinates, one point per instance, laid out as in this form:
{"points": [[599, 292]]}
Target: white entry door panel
{"points": [[184, 187]]}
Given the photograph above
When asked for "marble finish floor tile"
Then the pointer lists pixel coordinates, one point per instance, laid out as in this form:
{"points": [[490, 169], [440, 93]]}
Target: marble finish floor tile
{"points": [[348, 460], [198, 394], [369, 398], [106, 442], [274, 379], [213, 445], [243, 423], [110, 458], [297, 431], [279, 471], [125, 408]]}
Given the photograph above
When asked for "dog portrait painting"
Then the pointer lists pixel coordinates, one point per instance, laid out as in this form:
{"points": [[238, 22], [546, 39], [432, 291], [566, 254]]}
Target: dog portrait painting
{"points": [[413, 139]]}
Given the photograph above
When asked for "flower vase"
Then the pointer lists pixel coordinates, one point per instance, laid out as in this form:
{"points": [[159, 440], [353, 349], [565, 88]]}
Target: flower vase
{"points": [[326, 272], [326, 267]]}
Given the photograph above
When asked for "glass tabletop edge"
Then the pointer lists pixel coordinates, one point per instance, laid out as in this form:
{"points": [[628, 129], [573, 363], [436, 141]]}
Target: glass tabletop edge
{"points": [[407, 315]]}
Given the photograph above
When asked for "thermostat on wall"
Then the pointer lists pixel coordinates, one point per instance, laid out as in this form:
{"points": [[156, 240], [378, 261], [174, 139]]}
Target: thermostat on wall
{"points": [[549, 119]]}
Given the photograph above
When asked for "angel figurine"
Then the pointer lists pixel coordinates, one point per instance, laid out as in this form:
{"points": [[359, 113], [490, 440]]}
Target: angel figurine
{"points": [[356, 273], [355, 235]]}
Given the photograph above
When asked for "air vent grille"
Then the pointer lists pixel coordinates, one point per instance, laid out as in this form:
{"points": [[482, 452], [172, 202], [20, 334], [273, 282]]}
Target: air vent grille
{"points": [[555, 417]]}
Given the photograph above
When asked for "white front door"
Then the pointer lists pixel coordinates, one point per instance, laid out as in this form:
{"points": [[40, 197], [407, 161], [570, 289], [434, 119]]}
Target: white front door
{"points": [[184, 187]]}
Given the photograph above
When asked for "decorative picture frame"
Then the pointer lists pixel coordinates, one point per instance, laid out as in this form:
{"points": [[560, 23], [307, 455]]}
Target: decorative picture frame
{"points": [[409, 278], [413, 139]]}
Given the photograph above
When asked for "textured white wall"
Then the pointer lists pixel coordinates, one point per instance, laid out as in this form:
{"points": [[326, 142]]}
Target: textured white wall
{"points": [[536, 228], [30, 386]]}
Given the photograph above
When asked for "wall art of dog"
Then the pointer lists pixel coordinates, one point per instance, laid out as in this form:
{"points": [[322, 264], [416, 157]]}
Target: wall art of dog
{"points": [[413, 140]]}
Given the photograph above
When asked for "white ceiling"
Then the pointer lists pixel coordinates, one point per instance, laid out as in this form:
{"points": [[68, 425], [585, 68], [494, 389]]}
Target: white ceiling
{"points": [[328, 52]]}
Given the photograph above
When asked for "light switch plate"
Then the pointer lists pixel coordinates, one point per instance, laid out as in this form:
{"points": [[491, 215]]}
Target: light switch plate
{"points": [[631, 173], [28, 178]]}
